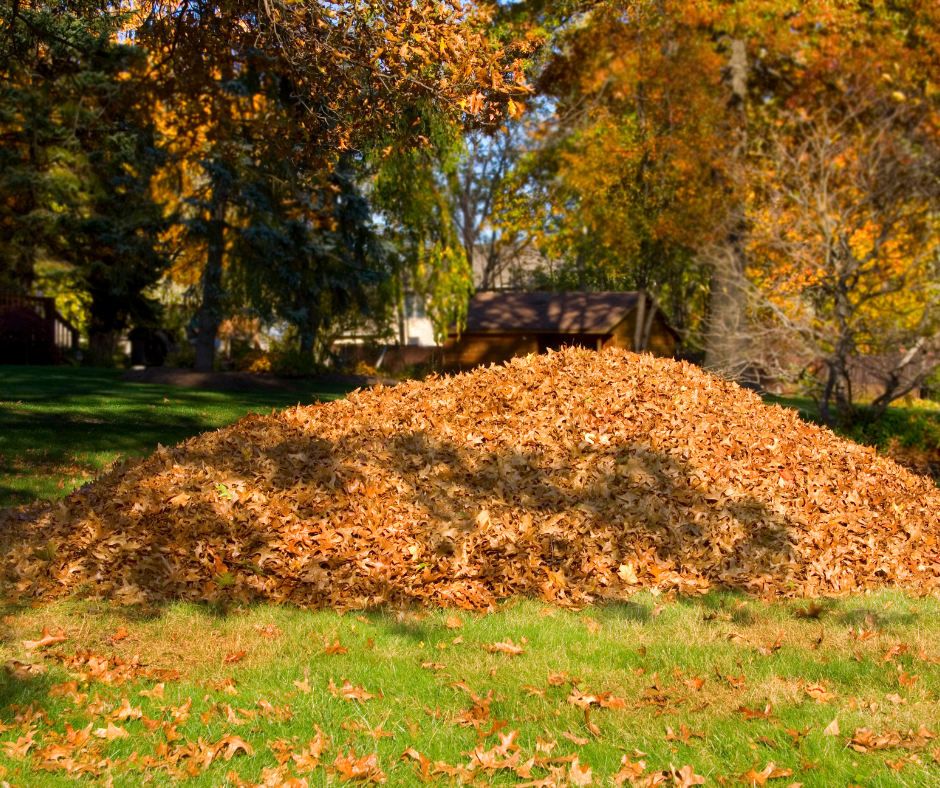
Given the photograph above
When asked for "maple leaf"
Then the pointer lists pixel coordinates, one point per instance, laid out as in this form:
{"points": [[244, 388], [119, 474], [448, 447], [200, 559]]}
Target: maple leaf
{"points": [[20, 747], [47, 639], [819, 693], [579, 740], [228, 747], [832, 729], [453, 622], [894, 651], [769, 772], [424, 764], [156, 692], [815, 610], [234, 656], [628, 771], [754, 714], [685, 735], [127, 712], [268, 631]]}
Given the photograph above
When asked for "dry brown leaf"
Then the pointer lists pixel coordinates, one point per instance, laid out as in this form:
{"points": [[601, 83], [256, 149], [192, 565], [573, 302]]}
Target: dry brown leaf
{"points": [[335, 648], [506, 647], [580, 775], [111, 732], [349, 767], [47, 639], [686, 777], [819, 693], [669, 433], [348, 691]]}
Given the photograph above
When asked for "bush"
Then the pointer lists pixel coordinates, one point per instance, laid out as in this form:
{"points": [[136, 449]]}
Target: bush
{"points": [[184, 358], [294, 363], [256, 361], [24, 338], [290, 363]]}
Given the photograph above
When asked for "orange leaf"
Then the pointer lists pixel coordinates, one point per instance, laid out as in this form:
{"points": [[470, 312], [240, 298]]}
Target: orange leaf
{"points": [[47, 639]]}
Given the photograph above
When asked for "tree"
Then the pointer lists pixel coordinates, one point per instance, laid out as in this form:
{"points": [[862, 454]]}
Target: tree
{"points": [[477, 186], [306, 84], [306, 252], [625, 165], [417, 208], [660, 114], [79, 153], [846, 249]]}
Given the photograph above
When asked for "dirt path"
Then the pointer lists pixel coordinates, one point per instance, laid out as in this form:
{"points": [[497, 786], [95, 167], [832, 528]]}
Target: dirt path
{"points": [[240, 381]]}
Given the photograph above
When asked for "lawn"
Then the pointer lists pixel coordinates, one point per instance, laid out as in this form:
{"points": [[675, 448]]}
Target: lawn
{"points": [[715, 690], [60, 426], [660, 690]]}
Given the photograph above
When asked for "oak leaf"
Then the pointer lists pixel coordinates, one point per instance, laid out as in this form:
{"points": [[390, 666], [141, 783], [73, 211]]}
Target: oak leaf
{"points": [[47, 639]]}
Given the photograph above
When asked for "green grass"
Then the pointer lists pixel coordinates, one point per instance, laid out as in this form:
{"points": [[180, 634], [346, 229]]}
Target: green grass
{"points": [[411, 661], [60, 426]]}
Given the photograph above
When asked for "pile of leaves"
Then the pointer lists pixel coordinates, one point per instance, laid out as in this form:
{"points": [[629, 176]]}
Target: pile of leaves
{"points": [[572, 476]]}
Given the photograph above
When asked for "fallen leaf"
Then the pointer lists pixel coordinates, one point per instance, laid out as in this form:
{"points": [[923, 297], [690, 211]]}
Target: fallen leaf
{"points": [[348, 691], [47, 639], [579, 740], [686, 777], [336, 648], [506, 647], [580, 775], [349, 767], [111, 732]]}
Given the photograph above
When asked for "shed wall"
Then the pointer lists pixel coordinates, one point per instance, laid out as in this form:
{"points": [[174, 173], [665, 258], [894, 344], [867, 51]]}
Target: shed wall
{"points": [[474, 350]]}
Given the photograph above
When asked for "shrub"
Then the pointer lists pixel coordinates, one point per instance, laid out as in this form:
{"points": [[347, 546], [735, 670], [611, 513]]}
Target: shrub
{"points": [[24, 338], [184, 358]]}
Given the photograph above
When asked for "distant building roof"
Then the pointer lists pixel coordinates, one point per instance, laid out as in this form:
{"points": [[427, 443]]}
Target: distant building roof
{"points": [[566, 313]]}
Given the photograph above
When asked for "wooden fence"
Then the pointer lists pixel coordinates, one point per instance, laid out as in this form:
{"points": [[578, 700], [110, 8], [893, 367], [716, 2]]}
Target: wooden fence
{"points": [[61, 332]]}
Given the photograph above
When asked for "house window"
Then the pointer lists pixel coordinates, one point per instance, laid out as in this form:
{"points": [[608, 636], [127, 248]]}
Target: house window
{"points": [[414, 305]]}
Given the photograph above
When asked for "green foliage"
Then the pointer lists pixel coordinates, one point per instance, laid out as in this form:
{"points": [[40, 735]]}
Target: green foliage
{"points": [[411, 191], [78, 157], [306, 252]]}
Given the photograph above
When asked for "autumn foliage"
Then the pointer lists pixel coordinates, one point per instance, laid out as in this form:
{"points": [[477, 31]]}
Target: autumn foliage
{"points": [[571, 476]]}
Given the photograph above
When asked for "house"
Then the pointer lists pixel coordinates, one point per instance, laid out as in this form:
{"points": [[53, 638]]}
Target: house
{"points": [[501, 325]]}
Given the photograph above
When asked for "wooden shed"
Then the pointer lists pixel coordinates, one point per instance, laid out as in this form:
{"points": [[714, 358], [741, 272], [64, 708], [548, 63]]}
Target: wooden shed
{"points": [[503, 325]]}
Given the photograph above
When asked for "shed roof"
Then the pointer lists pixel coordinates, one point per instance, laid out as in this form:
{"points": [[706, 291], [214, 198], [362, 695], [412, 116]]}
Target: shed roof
{"points": [[567, 313]]}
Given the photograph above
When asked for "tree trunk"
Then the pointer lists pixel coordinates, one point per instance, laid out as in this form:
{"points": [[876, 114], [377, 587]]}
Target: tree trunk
{"points": [[210, 312], [101, 346], [638, 345], [726, 333]]}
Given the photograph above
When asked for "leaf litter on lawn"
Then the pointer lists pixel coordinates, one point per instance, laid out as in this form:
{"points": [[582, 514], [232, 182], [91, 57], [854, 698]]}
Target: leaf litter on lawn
{"points": [[572, 476]]}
